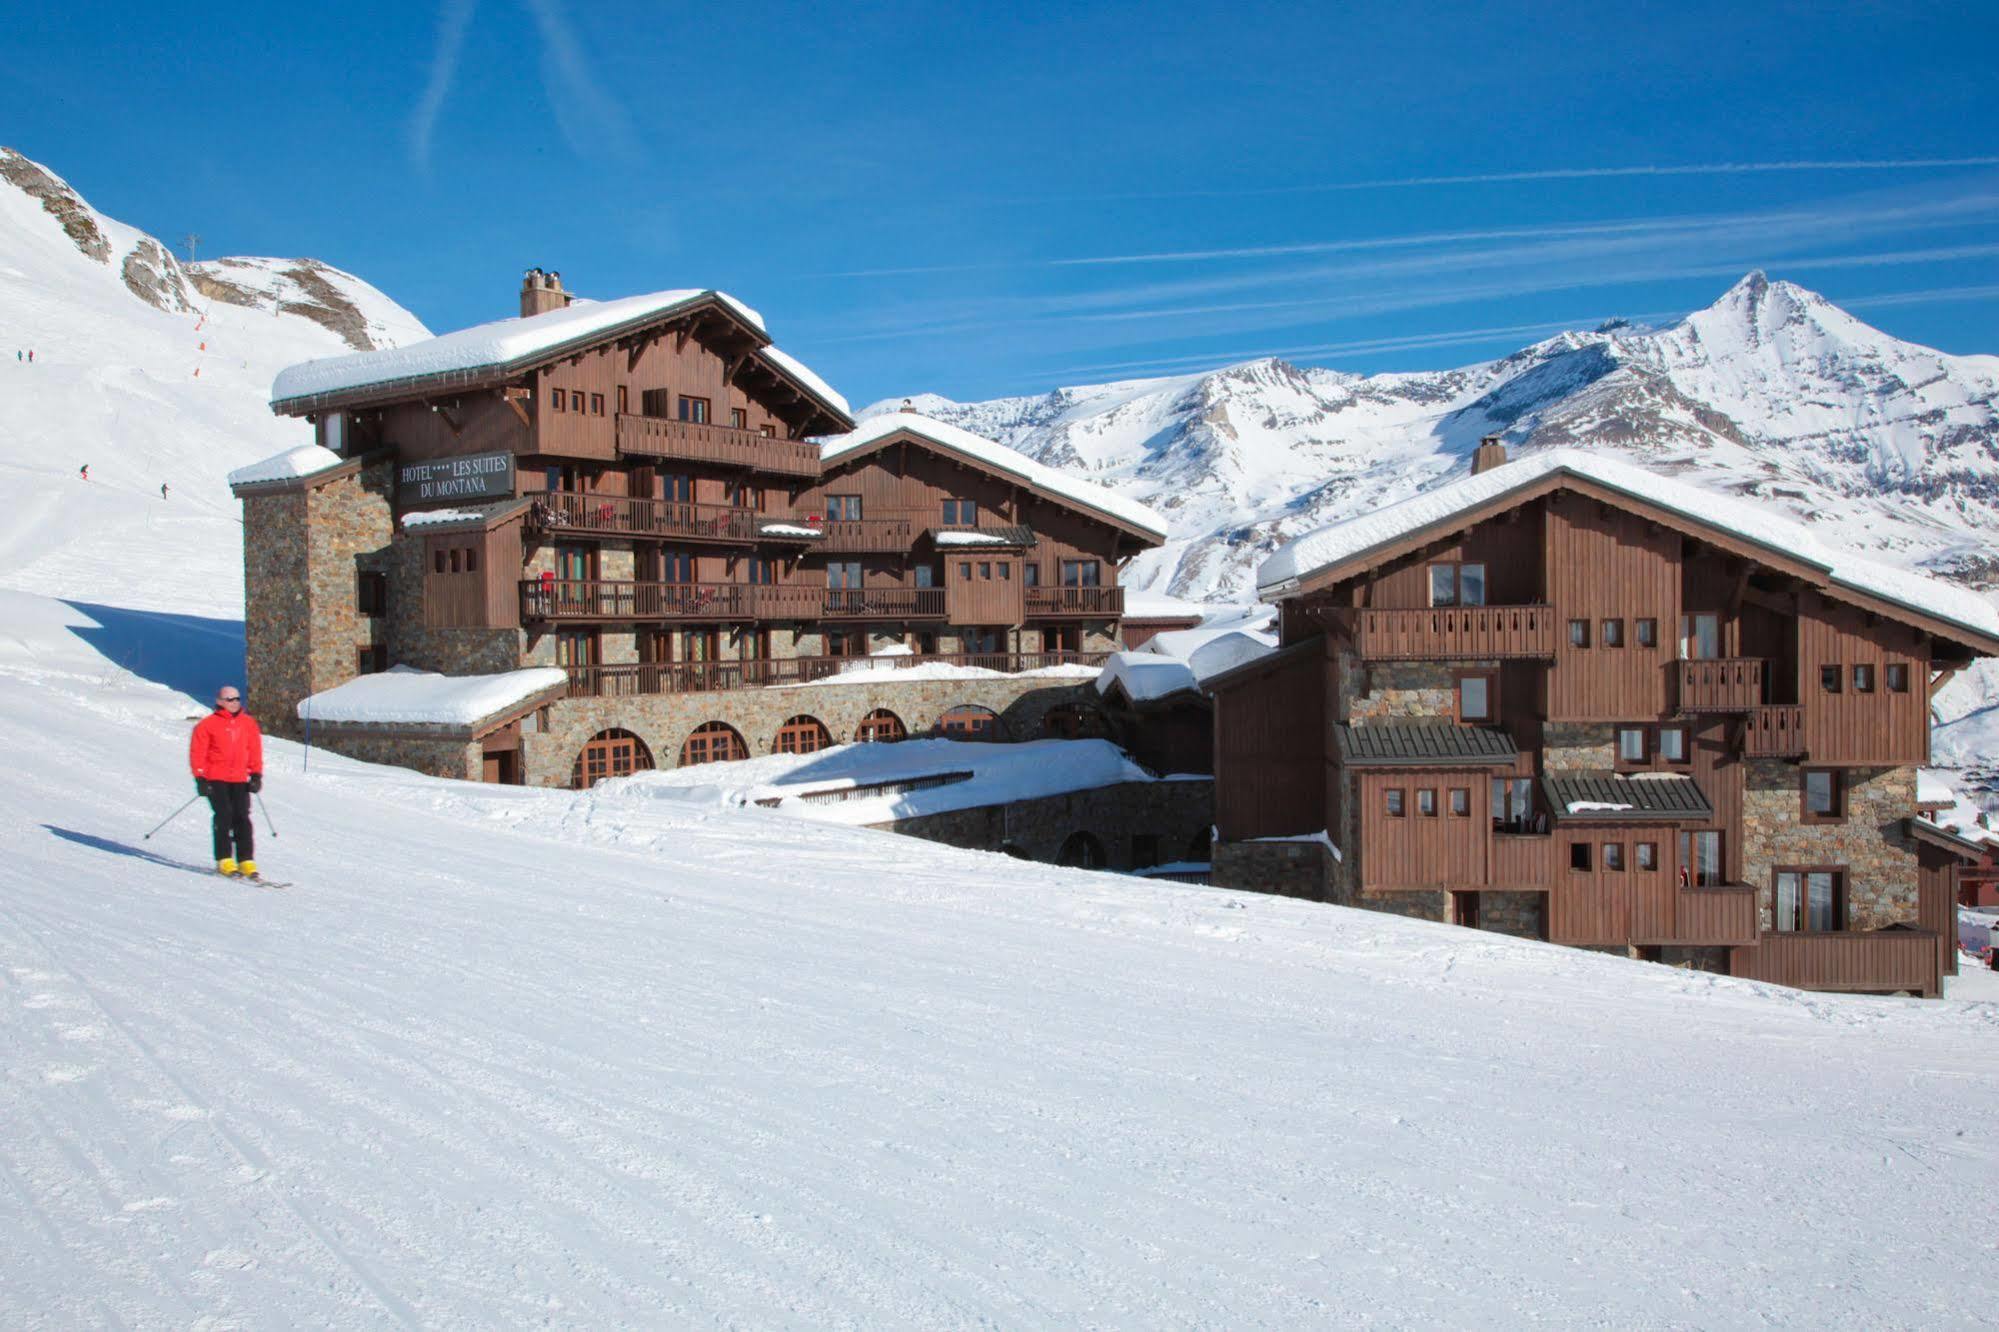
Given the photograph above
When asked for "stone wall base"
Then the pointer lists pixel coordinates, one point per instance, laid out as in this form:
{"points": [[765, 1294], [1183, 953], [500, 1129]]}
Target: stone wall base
{"points": [[1125, 823], [1289, 869]]}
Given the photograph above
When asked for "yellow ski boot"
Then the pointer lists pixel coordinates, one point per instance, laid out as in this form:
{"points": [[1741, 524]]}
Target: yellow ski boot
{"points": [[227, 868]]}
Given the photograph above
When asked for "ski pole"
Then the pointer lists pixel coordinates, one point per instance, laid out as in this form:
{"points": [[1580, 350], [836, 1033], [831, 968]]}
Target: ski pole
{"points": [[170, 818], [267, 816]]}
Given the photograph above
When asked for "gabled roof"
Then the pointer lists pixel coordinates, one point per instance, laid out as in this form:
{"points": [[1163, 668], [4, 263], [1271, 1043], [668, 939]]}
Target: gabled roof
{"points": [[1752, 529], [1400, 746], [450, 706], [1610, 797], [990, 456], [500, 350]]}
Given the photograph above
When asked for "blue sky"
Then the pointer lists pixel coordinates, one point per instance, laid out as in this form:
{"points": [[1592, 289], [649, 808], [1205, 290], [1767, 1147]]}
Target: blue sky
{"points": [[977, 200]]}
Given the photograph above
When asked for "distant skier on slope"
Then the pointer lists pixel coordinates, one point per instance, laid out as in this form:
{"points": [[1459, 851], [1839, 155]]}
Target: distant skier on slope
{"points": [[84, 471], [226, 754], [163, 490]]}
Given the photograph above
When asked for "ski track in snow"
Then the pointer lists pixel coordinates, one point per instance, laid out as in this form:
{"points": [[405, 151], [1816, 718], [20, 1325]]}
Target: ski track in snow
{"points": [[510, 1056]]}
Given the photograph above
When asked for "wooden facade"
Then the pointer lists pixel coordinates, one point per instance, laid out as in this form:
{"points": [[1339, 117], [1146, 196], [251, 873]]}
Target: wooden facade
{"points": [[1569, 636]]}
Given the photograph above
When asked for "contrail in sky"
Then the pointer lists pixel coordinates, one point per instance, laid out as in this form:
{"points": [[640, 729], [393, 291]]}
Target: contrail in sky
{"points": [[452, 21]]}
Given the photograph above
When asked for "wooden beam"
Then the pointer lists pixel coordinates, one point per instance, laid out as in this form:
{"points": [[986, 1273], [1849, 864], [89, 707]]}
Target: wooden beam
{"points": [[1940, 679], [456, 428], [512, 397], [1740, 589]]}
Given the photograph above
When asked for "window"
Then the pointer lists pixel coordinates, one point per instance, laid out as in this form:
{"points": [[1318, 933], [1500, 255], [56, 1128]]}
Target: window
{"points": [[964, 571], [1081, 573], [1647, 855], [1648, 633], [1673, 744], [576, 647], [1863, 679], [596, 404], [713, 742], [739, 418], [679, 488], [1631, 744], [1824, 795], [762, 571], [624, 399], [371, 597], [674, 566], [843, 508], [986, 570], [1613, 633], [455, 557], [1426, 802], [1475, 698], [767, 431], [1898, 677], [610, 754], [1457, 585], [1829, 678], [1394, 805], [1700, 636], [1613, 857], [1512, 804], [371, 660], [1809, 900], [1030, 575], [960, 513], [880, 727], [471, 559], [693, 409], [576, 400], [1460, 802], [1005, 568], [843, 574], [969, 722], [1700, 859], [801, 735], [846, 643], [557, 398], [1578, 633], [1579, 856], [926, 575]]}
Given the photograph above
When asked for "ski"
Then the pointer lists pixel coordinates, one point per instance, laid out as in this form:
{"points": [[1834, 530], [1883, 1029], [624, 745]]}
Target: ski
{"points": [[262, 882]]}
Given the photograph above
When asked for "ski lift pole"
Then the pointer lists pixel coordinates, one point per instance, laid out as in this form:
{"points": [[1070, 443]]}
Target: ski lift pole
{"points": [[170, 818]]}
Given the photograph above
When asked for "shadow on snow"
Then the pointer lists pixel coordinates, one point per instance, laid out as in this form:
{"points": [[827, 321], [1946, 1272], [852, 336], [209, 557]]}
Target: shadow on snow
{"points": [[193, 654]]}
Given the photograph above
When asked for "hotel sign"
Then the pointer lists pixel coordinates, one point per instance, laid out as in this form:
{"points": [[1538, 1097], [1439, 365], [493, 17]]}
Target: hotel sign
{"points": [[478, 476]]}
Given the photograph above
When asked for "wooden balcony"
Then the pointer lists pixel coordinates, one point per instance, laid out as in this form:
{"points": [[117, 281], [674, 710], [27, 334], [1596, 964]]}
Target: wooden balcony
{"points": [[701, 441], [1048, 603], [1455, 633], [1875, 961], [884, 603], [1521, 862], [1775, 730], [573, 601], [1720, 684], [701, 676], [863, 534], [787, 601], [558, 513], [1724, 914]]}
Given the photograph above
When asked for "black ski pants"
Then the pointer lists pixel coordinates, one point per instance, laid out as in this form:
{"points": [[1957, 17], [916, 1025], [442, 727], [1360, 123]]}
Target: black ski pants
{"points": [[231, 803]]}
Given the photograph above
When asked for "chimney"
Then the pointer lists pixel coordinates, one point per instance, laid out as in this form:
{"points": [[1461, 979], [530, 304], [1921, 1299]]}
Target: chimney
{"points": [[1491, 453], [542, 292]]}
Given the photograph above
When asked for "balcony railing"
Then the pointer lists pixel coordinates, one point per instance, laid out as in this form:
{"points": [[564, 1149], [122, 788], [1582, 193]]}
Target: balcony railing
{"points": [[1775, 730], [701, 441], [1448, 633], [1048, 602], [786, 601], [864, 534], [702, 676], [883, 603], [575, 600], [1720, 684], [1872, 960], [556, 511]]}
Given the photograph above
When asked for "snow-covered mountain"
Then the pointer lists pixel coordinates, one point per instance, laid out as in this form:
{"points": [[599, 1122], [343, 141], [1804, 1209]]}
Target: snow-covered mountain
{"points": [[150, 372], [1772, 392]]}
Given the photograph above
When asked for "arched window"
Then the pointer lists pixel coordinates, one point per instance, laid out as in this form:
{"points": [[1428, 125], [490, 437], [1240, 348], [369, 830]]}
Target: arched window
{"points": [[609, 754], [969, 721], [713, 742], [1083, 851], [802, 735], [880, 727], [1076, 721]]}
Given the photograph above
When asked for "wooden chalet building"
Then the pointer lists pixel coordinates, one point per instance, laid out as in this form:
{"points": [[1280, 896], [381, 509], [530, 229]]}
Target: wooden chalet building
{"points": [[1571, 699], [648, 494]]}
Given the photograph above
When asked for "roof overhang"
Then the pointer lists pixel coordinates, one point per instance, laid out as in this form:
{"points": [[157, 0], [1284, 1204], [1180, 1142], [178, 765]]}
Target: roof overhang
{"points": [[484, 519], [1542, 484], [1966, 848], [312, 480]]}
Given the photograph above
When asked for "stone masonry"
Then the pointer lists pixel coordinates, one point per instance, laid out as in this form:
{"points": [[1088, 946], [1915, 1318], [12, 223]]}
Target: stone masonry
{"points": [[1176, 813], [1578, 747], [1289, 869], [1869, 843]]}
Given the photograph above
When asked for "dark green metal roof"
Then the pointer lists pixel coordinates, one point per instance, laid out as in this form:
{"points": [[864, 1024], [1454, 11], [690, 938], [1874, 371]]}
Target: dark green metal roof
{"points": [[1644, 797], [1418, 745]]}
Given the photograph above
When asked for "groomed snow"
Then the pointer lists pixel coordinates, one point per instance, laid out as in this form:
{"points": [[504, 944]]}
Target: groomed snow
{"points": [[1000, 773], [1086, 493], [305, 460], [403, 695], [502, 342], [1759, 524], [508, 1057], [804, 375]]}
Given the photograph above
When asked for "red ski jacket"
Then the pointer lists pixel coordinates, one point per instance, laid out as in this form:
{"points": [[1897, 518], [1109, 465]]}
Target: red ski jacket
{"points": [[226, 748]]}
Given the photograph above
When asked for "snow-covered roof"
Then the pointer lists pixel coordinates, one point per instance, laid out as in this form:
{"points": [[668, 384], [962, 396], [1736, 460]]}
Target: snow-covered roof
{"points": [[503, 342], [998, 456], [291, 465], [439, 517], [1146, 676], [801, 372], [1933, 788], [1743, 519], [403, 696], [789, 530], [1157, 606], [845, 784], [974, 539]]}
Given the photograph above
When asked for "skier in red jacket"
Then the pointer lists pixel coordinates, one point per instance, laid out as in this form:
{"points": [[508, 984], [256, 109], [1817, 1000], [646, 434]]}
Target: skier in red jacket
{"points": [[227, 756]]}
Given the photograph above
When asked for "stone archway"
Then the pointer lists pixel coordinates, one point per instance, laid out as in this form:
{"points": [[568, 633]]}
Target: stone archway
{"points": [[802, 734], [1082, 850], [713, 742], [880, 727], [1075, 721], [969, 721], [612, 753]]}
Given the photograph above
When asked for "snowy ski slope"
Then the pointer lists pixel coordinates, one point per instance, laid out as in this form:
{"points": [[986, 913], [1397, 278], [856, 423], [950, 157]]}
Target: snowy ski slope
{"points": [[508, 1056]]}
